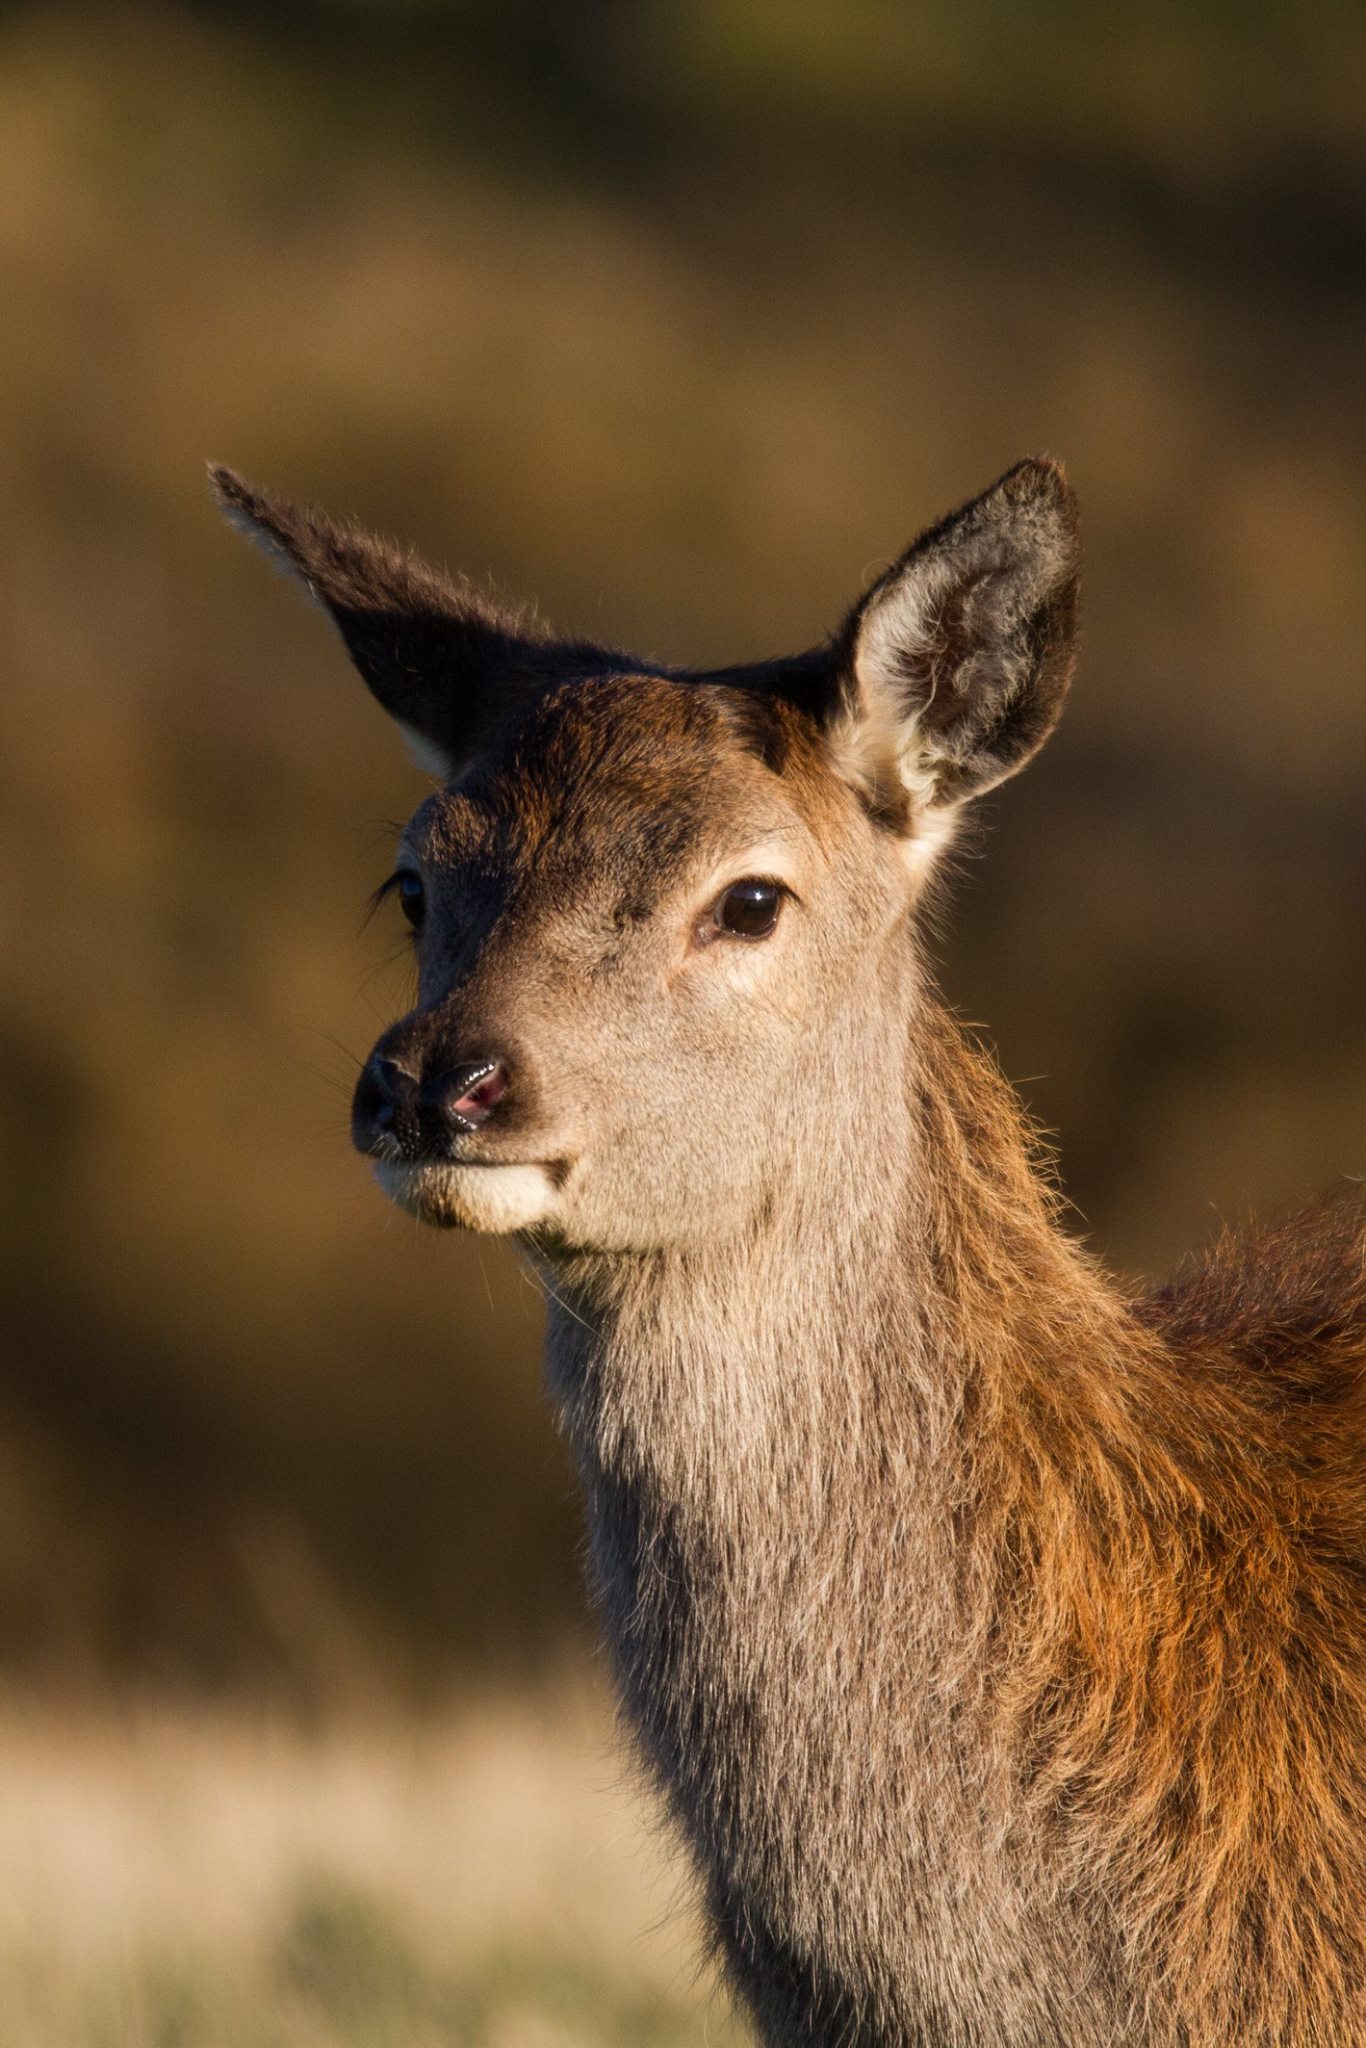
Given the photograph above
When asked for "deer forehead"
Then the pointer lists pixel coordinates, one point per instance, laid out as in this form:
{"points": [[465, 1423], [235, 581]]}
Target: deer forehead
{"points": [[633, 788]]}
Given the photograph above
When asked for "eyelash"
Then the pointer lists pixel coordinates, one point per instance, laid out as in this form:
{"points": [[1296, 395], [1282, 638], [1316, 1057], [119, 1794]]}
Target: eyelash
{"points": [[413, 903], [379, 897]]}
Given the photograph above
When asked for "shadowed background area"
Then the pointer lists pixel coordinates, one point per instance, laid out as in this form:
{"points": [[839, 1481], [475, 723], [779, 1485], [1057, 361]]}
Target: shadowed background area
{"points": [[679, 318]]}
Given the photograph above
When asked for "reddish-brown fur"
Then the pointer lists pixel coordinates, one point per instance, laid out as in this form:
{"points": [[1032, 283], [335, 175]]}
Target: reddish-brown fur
{"points": [[997, 1638], [1183, 1479]]}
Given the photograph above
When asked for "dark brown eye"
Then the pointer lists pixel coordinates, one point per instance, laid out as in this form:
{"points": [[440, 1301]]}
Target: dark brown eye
{"points": [[412, 896], [749, 910]]}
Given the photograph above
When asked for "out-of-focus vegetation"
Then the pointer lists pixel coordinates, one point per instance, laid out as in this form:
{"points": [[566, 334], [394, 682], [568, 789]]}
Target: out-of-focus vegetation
{"points": [[679, 317], [208, 1881]]}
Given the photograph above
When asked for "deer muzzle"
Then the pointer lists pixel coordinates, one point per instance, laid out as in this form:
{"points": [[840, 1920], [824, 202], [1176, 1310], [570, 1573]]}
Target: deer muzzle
{"points": [[399, 1115]]}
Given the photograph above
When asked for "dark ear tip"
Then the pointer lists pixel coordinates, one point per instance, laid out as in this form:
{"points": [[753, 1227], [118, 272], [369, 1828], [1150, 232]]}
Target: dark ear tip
{"points": [[1038, 489], [232, 491], [1040, 480]]}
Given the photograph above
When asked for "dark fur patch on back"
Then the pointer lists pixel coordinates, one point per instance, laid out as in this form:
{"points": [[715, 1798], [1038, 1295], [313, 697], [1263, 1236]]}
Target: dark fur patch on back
{"points": [[1277, 1291]]}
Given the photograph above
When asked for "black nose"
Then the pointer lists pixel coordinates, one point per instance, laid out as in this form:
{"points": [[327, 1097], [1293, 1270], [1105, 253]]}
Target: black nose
{"points": [[398, 1114]]}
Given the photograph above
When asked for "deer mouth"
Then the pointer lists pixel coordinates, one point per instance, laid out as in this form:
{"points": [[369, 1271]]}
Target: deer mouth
{"points": [[495, 1196]]}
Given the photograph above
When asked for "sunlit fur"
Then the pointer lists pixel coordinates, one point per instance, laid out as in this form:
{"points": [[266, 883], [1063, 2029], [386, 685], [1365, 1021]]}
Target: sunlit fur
{"points": [[995, 1636], [997, 1639]]}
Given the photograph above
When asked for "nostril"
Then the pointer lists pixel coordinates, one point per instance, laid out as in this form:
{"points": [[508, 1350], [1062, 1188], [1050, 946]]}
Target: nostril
{"points": [[380, 1091], [467, 1096], [395, 1114]]}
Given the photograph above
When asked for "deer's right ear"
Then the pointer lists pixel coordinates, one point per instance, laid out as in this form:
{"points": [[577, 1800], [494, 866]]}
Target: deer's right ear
{"points": [[953, 668], [434, 653]]}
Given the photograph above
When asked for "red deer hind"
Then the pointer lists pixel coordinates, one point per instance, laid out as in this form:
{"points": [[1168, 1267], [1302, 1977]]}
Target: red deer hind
{"points": [[998, 1639]]}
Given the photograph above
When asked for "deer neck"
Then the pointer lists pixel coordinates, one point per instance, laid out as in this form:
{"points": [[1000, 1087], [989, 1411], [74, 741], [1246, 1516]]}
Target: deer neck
{"points": [[832, 1428], [900, 1252], [811, 1464]]}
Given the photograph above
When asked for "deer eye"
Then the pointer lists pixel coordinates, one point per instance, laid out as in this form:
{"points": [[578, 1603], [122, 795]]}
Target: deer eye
{"points": [[748, 910], [412, 897]]}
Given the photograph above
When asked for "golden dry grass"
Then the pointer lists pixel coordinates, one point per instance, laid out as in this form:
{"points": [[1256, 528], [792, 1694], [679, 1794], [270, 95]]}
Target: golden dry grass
{"points": [[176, 1879]]}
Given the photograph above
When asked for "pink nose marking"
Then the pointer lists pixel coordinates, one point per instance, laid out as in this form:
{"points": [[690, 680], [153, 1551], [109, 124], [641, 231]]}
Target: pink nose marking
{"points": [[481, 1100]]}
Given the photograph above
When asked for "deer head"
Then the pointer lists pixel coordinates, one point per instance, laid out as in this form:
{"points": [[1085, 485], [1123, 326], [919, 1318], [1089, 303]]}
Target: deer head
{"points": [[663, 918]]}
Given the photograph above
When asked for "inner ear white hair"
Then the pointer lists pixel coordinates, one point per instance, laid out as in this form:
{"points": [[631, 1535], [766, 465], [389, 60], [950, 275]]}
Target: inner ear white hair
{"points": [[957, 661]]}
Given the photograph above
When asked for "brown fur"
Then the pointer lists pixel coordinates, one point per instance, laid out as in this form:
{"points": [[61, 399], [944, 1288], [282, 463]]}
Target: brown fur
{"points": [[997, 1639]]}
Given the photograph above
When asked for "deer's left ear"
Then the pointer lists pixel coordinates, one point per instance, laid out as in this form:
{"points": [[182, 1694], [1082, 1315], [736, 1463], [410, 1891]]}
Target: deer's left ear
{"points": [[442, 659], [955, 664]]}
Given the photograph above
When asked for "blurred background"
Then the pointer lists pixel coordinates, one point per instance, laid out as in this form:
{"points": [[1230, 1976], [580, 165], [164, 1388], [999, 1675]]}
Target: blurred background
{"points": [[680, 317]]}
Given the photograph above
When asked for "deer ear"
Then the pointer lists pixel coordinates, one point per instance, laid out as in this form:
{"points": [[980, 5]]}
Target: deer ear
{"points": [[955, 664], [436, 654]]}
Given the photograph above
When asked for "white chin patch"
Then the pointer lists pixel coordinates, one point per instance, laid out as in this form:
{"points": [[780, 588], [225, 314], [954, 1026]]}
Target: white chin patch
{"points": [[491, 1198]]}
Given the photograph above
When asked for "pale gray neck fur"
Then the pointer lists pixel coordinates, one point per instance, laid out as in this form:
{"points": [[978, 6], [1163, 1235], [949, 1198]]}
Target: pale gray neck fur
{"points": [[771, 1434]]}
